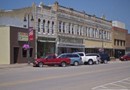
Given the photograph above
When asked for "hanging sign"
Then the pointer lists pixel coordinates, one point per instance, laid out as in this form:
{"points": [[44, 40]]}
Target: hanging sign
{"points": [[31, 34]]}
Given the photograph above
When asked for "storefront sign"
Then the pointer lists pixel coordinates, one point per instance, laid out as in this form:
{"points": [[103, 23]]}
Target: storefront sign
{"points": [[22, 36]]}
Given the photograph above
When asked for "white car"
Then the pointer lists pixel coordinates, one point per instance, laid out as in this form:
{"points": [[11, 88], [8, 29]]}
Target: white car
{"points": [[89, 58]]}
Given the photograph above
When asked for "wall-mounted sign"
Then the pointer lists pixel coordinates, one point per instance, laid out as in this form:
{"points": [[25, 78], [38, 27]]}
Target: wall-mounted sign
{"points": [[22, 36], [31, 34]]}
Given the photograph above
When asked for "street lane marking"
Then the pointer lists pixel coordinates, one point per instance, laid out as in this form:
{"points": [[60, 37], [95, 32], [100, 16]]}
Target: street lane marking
{"points": [[13, 83], [113, 83], [118, 85]]}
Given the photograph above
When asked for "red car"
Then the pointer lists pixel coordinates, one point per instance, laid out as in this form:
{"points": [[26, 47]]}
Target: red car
{"points": [[51, 60], [125, 57]]}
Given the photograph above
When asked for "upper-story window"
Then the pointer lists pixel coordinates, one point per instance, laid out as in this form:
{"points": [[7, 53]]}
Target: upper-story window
{"points": [[101, 34], [77, 30], [39, 24], [59, 26], [82, 30], [72, 29], [86, 33], [52, 27], [63, 27], [43, 26], [69, 28], [48, 25], [91, 32]]}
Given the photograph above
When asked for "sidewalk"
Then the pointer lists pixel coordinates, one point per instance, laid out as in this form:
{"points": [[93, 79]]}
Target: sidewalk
{"points": [[115, 60], [17, 65]]}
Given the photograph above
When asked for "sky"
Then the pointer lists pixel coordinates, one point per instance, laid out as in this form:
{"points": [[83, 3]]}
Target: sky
{"points": [[115, 10]]}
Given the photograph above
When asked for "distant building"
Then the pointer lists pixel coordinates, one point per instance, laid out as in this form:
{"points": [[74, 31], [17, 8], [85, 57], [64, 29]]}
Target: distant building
{"points": [[118, 24], [128, 43], [119, 38]]}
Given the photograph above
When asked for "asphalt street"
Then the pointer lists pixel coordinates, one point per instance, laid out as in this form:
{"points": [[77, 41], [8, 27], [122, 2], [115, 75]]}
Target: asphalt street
{"points": [[111, 76]]}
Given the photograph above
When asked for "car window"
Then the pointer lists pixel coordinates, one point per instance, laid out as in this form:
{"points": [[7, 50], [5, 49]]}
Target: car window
{"points": [[128, 54], [62, 56], [51, 57], [69, 55], [81, 54], [75, 55], [91, 55]]}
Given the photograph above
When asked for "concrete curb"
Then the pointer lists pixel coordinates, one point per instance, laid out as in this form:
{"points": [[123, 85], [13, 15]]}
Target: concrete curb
{"points": [[3, 66]]}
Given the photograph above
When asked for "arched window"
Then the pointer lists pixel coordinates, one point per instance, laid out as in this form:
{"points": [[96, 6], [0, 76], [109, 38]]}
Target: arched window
{"points": [[72, 29], [63, 27], [43, 26], [52, 27], [86, 33], [48, 25], [69, 28], [39, 20], [77, 29], [59, 26]]}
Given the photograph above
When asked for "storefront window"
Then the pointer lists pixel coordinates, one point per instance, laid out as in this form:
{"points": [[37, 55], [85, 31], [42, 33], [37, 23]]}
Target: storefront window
{"points": [[24, 52], [31, 52]]}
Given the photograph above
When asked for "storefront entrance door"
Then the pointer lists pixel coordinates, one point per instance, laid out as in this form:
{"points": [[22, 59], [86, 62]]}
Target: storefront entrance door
{"points": [[16, 50]]}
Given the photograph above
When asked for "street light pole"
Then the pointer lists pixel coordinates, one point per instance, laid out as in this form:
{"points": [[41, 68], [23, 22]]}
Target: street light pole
{"points": [[28, 20]]}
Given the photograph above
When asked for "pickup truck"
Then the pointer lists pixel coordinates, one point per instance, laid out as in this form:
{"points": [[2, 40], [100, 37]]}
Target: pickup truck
{"points": [[89, 58], [51, 60]]}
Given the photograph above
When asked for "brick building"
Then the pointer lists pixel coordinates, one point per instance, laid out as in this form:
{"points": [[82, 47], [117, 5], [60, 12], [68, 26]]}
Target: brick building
{"points": [[12, 40], [119, 39]]}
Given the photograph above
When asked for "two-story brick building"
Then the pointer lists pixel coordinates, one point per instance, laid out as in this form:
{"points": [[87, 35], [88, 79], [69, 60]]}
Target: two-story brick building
{"points": [[119, 38]]}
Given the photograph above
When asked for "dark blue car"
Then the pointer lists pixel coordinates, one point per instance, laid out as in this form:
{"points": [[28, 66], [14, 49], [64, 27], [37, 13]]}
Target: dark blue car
{"points": [[104, 57]]}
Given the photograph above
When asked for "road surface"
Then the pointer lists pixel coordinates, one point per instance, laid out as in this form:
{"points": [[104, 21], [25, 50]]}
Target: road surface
{"points": [[111, 76]]}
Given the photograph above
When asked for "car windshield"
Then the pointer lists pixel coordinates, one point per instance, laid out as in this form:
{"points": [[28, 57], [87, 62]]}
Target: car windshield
{"points": [[50, 57]]}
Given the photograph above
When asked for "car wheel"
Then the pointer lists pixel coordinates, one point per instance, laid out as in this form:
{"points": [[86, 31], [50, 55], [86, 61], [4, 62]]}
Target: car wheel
{"points": [[90, 62], [40, 64], [76, 63], [125, 59], [105, 61], [63, 64]]}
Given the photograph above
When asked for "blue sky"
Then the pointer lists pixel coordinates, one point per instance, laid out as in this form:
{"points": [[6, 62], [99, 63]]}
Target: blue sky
{"points": [[113, 9]]}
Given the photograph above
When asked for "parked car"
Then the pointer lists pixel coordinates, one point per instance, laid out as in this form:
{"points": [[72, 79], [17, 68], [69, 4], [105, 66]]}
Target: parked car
{"points": [[89, 58], [52, 60], [104, 57], [75, 58], [125, 57]]}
